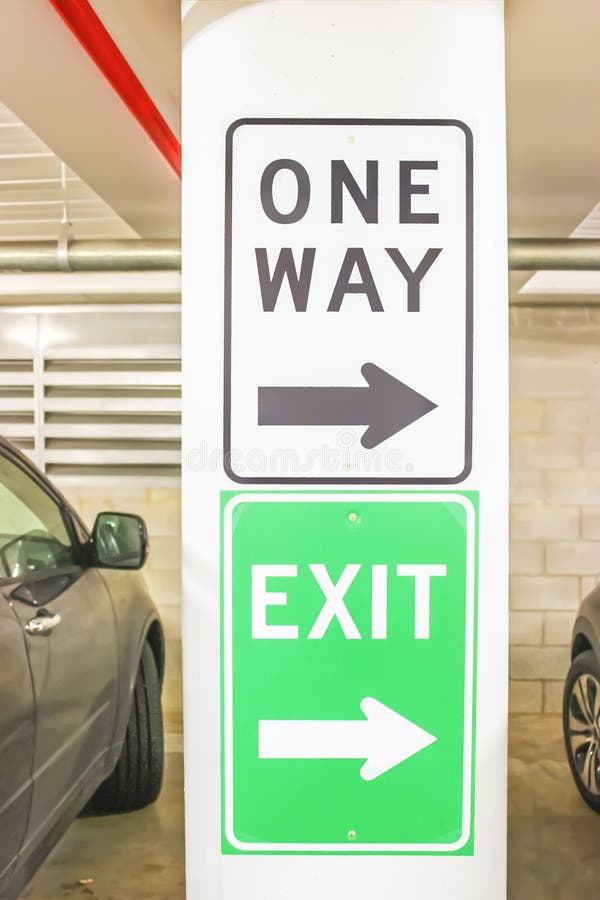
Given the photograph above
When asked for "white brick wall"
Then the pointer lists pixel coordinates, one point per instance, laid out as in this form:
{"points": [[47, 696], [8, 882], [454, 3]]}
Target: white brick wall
{"points": [[542, 592], [526, 557], [555, 493]]}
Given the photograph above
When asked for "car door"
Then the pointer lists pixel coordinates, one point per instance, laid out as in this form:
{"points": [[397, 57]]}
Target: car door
{"points": [[17, 736], [67, 617]]}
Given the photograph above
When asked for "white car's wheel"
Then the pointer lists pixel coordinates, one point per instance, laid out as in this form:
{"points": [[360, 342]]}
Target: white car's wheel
{"points": [[581, 724]]}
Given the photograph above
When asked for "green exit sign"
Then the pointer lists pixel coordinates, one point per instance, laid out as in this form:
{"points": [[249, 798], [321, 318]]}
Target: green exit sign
{"points": [[348, 660]]}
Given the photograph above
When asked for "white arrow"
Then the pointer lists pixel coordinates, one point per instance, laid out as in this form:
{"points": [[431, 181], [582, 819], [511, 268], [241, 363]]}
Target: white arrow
{"points": [[384, 739]]}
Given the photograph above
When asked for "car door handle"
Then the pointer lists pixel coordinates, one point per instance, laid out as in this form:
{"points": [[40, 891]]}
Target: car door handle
{"points": [[43, 623]]}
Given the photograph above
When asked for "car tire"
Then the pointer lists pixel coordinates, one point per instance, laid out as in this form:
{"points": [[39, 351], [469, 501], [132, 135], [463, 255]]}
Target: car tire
{"points": [[137, 778], [581, 726]]}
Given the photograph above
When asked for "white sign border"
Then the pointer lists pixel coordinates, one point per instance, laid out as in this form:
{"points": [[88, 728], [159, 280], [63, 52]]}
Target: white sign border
{"points": [[227, 642], [470, 300]]}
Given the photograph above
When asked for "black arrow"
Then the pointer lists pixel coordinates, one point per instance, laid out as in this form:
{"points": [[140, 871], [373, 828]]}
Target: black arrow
{"points": [[386, 406]]}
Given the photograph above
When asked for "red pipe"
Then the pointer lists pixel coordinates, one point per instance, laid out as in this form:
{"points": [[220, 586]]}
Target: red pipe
{"points": [[99, 45]]}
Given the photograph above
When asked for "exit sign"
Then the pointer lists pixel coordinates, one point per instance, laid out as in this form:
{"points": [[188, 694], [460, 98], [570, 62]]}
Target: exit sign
{"points": [[348, 646]]}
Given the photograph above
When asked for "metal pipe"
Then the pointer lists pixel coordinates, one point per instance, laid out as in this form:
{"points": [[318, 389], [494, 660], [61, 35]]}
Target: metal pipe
{"points": [[558, 254], [91, 256], [524, 254]]}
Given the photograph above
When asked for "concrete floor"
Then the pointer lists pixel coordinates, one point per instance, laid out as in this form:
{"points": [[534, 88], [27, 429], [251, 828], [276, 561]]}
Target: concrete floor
{"points": [[138, 856], [553, 838]]}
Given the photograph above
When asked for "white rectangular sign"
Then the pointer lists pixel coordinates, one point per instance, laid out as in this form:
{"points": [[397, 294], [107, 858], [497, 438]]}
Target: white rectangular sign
{"points": [[349, 301]]}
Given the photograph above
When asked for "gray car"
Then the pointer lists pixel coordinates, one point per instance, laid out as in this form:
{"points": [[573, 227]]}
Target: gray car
{"points": [[581, 701], [81, 667]]}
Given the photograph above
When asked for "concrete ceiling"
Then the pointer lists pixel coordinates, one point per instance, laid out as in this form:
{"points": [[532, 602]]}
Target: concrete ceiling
{"points": [[148, 33], [53, 87], [37, 192], [553, 109], [553, 85], [553, 73]]}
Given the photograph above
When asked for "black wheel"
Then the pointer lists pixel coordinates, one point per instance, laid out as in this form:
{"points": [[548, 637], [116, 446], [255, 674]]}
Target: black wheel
{"points": [[581, 725], [137, 778]]}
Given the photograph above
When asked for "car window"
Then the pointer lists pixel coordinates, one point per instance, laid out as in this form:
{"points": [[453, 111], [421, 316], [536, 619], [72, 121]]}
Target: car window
{"points": [[33, 534]]}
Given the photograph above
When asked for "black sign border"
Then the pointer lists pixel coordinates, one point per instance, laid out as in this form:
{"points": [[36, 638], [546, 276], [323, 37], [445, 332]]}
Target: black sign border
{"points": [[227, 450]]}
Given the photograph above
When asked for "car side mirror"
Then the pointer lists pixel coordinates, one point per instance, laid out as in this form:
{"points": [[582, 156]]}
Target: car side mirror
{"points": [[119, 541]]}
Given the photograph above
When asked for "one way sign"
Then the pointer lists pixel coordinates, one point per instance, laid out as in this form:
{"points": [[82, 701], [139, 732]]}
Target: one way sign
{"points": [[348, 301]]}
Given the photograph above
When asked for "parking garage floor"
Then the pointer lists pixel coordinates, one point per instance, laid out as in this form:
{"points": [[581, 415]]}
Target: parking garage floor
{"points": [[139, 856], [554, 839]]}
